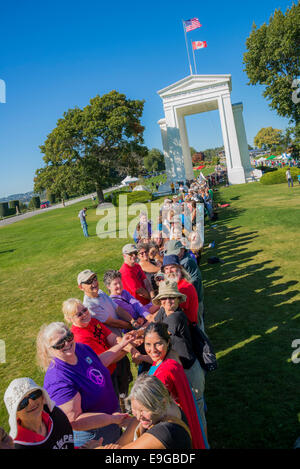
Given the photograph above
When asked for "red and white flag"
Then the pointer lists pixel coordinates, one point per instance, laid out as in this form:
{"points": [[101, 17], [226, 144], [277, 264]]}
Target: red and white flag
{"points": [[199, 45], [192, 24]]}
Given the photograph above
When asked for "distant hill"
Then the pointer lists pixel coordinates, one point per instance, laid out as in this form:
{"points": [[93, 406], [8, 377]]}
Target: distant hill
{"points": [[21, 197]]}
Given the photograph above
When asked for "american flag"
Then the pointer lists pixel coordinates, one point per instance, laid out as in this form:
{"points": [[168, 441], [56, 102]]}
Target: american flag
{"points": [[192, 24]]}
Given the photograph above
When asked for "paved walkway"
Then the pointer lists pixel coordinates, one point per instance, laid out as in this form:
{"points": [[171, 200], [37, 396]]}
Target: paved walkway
{"points": [[9, 221]]}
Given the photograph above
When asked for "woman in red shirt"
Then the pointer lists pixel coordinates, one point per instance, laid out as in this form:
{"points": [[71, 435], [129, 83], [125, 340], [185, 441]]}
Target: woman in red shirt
{"points": [[91, 332], [168, 369]]}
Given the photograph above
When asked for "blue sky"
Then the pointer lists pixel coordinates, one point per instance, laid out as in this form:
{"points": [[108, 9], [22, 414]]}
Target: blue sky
{"points": [[56, 55]]}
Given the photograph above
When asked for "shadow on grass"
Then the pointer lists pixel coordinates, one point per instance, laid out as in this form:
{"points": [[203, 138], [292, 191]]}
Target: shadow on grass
{"points": [[250, 318], [9, 250]]}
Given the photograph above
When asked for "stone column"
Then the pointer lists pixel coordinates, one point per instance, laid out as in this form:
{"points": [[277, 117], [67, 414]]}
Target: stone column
{"points": [[187, 160], [168, 159], [235, 170], [174, 145], [242, 138]]}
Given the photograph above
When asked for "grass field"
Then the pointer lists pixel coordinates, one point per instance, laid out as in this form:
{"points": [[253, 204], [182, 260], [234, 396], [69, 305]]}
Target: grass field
{"points": [[252, 305]]}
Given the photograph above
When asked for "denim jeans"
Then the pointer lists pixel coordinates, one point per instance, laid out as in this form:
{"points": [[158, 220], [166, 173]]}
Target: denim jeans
{"points": [[196, 379], [85, 229], [201, 316], [290, 181], [110, 434]]}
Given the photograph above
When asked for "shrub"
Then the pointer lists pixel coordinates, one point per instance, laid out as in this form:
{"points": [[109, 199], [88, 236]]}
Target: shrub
{"points": [[108, 198], [4, 211], [133, 197], [35, 202], [51, 197], [266, 169], [13, 204], [279, 177]]}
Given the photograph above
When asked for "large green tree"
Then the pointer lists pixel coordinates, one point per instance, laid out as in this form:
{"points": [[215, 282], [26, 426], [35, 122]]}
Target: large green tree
{"points": [[100, 142], [62, 180], [154, 160], [268, 138], [273, 60]]}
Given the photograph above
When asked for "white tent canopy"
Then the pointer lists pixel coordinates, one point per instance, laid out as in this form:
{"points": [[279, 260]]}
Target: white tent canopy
{"points": [[129, 180], [141, 188]]}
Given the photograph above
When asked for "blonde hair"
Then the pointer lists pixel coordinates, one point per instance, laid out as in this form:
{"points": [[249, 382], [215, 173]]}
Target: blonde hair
{"points": [[152, 394], [43, 341], [69, 308]]}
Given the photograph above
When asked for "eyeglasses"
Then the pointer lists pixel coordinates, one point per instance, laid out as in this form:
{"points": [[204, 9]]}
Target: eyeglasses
{"points": [[33, 396], [142, 253], [90, 280], [61, 343], [81, 313]]}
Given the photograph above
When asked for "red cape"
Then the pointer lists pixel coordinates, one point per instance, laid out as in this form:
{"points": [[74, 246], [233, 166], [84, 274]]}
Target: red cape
{"points": [[173, 376]]}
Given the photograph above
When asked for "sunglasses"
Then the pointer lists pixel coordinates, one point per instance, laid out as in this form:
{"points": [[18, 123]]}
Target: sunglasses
{"points": [[61, 343], [81, 313], [33, 396], [90, 280]]}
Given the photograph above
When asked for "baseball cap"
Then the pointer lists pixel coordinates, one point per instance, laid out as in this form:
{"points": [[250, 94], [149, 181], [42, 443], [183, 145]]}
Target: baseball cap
{"points": [[84, 276], [173, 247], [129, 248]]}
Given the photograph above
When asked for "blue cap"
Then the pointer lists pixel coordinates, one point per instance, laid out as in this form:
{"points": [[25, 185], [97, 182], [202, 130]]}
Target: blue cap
{"points": [[171, 260]]}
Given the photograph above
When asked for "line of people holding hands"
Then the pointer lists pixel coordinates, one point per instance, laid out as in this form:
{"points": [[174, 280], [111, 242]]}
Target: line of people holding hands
{"points": [[85, 401]]}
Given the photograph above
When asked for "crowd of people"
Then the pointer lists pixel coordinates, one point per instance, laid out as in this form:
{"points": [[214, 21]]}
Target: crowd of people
{"points": [[89, 398]]}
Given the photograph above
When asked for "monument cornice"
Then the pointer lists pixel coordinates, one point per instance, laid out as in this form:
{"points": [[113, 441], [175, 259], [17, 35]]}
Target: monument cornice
{"points": [[195, 83]]}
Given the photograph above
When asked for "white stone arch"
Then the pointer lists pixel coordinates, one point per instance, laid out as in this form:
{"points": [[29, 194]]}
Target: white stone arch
{"points": [[193, 95]]}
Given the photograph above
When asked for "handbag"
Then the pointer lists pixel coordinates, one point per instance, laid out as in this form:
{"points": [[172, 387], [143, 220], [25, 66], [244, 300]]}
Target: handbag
{"points": [[203, 348]]}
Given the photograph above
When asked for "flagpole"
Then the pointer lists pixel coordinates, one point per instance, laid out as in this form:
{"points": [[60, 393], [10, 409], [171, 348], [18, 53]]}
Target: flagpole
{"points": [[194, 58], [187, 49]]}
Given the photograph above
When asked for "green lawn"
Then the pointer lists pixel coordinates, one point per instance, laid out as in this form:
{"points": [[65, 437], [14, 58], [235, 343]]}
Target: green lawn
{"points": [[252, 305]]}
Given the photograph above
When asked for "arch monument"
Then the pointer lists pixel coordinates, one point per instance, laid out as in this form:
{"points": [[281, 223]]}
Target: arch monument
{"points": [[193, 95]]}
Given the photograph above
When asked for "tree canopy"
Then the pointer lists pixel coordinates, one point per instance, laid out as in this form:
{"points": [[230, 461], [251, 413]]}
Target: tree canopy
{"points": [[154, 160], [273, 60], [94, 146], [268, 137]]}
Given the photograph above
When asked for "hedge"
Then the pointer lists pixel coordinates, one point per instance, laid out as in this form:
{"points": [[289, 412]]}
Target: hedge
{"points": [[51, 197], [14, 204], [4, 211], [279, 177], [132, 197], [35, 202], [266, 169]]}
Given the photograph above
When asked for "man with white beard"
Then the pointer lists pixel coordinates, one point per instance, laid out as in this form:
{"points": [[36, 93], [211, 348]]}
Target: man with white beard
{"points": [[174, 271]]}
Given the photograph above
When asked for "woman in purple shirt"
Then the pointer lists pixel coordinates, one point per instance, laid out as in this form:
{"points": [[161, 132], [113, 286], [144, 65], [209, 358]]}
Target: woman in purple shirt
{"points": [[142, 314], [79, 384], [113, 281]]}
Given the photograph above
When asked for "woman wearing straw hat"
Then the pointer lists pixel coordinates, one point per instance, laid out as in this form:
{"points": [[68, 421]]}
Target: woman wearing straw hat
{"points": [[35, 421], [169, 298]]}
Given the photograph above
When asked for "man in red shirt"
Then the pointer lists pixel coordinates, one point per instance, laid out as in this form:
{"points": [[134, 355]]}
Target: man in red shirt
{"points": [[173, 270], [133, 278]]}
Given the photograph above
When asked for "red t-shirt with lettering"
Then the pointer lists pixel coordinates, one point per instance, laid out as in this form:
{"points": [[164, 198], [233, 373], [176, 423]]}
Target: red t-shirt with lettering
{"points": [[133, 279], [190, 306], [95, 336]]}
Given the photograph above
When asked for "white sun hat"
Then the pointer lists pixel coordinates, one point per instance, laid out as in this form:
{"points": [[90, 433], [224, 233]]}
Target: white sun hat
{"points": [[14, 394]]}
